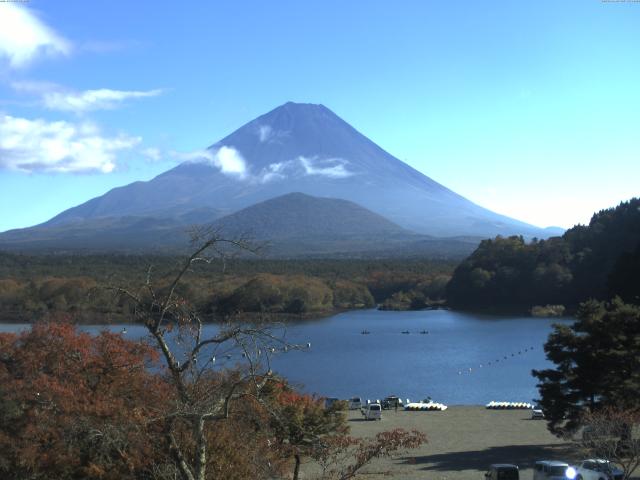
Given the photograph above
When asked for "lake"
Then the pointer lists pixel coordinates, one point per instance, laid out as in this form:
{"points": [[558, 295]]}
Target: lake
{"points": [[464, 359]]}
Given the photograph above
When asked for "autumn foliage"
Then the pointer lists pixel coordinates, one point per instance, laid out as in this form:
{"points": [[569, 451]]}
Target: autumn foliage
{"points": [[74, 405]]}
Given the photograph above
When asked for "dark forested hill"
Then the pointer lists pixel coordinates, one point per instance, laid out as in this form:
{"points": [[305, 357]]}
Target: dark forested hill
{"points": [[600, 260], [297, 215]]}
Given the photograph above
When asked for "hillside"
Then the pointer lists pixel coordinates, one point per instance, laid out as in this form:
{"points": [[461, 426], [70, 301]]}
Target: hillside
{"points": [[600, 260], [296, 215]]}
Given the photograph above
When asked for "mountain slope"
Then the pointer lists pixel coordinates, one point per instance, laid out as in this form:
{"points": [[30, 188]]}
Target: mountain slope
{"points": [[304, 148], [292, 225]]}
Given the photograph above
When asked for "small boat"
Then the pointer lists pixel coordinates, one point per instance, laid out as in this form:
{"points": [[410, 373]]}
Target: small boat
{"points": [[405, 332], [424, 332], [365, 332]]}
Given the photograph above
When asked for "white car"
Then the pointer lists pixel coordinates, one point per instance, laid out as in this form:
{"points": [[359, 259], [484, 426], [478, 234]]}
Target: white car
{"points": [[552, 470], [355, 403], [373, 411], [537, 414], [598, 469]]}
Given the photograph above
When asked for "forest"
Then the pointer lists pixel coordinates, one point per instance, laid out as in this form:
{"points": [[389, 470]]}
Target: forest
{"points": [[596, 261], [35, 287]]}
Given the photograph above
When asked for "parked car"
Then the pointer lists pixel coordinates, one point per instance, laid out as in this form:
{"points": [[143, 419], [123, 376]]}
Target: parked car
{"points": [[552, 470], [391, 402], [537, 414], [502, 471], [598, 469], [373, 411], [329, 401], [355, 403]]}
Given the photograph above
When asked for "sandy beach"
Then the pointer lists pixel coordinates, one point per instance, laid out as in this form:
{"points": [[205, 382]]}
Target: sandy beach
{"points": [[463, 442]]}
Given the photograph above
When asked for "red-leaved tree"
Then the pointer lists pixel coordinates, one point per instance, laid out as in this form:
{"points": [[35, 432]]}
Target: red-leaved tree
{"points": [[74, 405]]}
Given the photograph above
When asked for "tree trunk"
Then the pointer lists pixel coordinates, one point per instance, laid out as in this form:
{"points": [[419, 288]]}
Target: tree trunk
{"points": [[201, 449], [296, 470]]}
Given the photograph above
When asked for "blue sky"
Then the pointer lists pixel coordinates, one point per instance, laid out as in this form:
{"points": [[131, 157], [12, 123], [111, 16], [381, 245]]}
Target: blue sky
{"points": [[531, 109]]}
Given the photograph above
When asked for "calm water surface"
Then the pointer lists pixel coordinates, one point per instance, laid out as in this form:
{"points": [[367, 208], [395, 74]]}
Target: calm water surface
{"points": [[460, 361]]}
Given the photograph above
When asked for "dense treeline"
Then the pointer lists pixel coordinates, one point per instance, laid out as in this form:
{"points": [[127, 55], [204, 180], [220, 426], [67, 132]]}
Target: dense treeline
{"points": [[597, 261], [35, 287]]}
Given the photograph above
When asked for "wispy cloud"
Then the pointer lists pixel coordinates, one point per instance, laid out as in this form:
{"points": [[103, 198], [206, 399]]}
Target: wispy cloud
{"points": [[264, 132], [109, 46], [24, 37], [101, 99], [274, 171], [42, 146], [330, 167], [56, 97], [227, 159], [152, 153]]}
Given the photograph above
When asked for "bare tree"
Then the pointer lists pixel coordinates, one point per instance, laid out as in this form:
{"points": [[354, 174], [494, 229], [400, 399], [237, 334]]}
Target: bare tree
{"points": [[343, 457], [209, 372], [612, 434]]}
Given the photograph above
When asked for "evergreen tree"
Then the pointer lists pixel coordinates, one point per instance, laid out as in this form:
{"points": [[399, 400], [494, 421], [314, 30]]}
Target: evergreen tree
{"points": [[597, 364]]}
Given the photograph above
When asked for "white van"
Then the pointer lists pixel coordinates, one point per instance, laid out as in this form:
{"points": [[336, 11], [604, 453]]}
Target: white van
{"points": [[373, 411], [355, 403]]}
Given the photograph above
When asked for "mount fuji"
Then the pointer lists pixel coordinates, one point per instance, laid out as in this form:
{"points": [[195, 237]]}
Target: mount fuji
{"points": [[303, 148]]}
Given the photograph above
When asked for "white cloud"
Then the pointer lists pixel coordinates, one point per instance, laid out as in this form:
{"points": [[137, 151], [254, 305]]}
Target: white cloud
{"points": [[152, 153], [100, 99], [231, 162], [42, 146], [274, 171], [264, 132], [23, 37], [227, 159], [56, 97], [331, 167]]}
